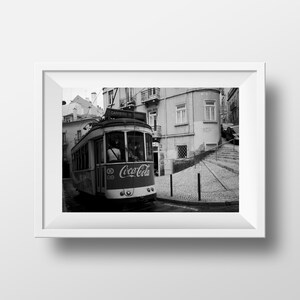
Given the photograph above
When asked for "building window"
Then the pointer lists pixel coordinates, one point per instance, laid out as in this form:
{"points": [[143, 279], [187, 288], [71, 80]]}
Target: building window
{"points": [[181, 114], [210, 110], [68, 119], [182, 151], [152, 92], [78, 134], [110, 97], [152, 118], [64, 138], [128, 94]]}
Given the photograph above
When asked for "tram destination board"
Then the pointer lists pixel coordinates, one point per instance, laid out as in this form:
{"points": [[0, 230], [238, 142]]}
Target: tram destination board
{"points": [[117, 113]]}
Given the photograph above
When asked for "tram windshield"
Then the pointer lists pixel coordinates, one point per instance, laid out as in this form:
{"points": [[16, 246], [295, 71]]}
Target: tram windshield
{"points": [[115, 146], [135, 148], [135, 142]]}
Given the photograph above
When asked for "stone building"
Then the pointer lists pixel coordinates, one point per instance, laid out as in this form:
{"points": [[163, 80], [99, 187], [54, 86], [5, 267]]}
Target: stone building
{"points": [[223, 106], [76, 117], [185, 121], [233, 105]]}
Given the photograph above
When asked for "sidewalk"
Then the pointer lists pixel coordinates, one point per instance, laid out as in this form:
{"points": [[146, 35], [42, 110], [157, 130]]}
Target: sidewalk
{"points": [[218, 183]]}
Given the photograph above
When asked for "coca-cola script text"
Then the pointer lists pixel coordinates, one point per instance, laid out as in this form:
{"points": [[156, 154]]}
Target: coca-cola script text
{"points": [[141, 171]]}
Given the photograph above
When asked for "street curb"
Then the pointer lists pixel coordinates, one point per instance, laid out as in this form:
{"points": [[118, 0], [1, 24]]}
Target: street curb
{"points": [[200, 203]]}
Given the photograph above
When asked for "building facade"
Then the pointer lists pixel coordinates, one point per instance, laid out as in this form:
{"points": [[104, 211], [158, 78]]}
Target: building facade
{"points": [[223, 106], [233, 105], [184, 121], [76, 117]]}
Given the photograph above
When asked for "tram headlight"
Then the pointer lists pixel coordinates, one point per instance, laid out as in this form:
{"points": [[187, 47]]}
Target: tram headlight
{"points": [[152, 189], [148, 190], [128, 193], [122, 193]]}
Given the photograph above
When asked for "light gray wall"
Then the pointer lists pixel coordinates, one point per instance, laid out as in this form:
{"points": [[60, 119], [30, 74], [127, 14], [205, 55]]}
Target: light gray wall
{"points": [[158, 31]]}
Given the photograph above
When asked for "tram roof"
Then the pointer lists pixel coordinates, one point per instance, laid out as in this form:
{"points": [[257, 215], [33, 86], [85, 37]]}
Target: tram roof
{"points": [[120, 122], [112, 123]]}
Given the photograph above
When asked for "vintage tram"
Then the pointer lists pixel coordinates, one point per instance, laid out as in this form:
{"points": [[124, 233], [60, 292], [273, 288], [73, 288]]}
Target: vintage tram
{"points": [[114, 160]]}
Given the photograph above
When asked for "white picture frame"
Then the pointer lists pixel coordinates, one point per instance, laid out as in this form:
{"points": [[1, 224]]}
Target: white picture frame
{"points": [[50, 221]]}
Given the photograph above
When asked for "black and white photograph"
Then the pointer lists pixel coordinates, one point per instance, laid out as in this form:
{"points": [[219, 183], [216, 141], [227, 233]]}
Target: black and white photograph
{"points": [[149, 149]]}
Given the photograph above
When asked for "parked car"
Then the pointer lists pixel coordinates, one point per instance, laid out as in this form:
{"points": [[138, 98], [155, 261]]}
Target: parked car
{"points": [[232, 134], [224, 127]]}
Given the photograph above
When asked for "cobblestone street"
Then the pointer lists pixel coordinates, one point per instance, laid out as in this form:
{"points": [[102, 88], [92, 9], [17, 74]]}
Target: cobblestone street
{"points": [[74, 202], [219, 179]]}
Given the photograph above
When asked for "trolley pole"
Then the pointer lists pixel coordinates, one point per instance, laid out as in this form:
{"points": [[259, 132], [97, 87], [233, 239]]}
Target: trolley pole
{"points": [[199, 188], [171, 185]]}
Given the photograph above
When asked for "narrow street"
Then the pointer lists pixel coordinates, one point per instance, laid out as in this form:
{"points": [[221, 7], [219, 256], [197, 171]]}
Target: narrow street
{"points": [[74, 202]]}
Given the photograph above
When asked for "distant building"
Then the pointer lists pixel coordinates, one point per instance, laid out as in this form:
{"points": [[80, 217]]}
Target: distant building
{"points": [[223, 106], [80, 108], [233, 105], [184, 121], [76, 117]]}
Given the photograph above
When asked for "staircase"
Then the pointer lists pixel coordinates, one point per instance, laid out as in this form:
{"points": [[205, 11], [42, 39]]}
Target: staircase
{"points": [[227, 157]]}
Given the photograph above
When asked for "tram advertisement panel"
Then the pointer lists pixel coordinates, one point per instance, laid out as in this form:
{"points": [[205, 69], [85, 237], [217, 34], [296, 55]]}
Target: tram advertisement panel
{"points": [[128, 175]]}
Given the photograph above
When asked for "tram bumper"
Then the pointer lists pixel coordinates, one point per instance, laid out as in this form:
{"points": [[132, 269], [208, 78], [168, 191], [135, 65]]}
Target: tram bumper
{"points": [[132, 194]]}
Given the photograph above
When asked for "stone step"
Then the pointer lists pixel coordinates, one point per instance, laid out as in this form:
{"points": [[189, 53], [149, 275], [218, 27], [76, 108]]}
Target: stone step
{"points": [[230, 161], [223, 155], [225, 165], [228, 153]]}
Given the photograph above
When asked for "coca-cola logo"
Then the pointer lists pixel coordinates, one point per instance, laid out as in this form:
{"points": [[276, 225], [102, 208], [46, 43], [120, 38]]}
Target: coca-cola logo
{"points": [[141, 171]]}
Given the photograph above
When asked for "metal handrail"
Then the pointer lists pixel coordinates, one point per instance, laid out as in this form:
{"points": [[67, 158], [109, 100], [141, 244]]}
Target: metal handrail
{"points": [[196, 159], [218, 146]]}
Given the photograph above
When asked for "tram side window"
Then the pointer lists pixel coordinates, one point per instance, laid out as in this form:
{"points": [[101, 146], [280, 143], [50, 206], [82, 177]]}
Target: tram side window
{"points": [[115, 146], [87, 157], [77, 161], [149, 152], [136, 151], [80, 159], [73, 162]]}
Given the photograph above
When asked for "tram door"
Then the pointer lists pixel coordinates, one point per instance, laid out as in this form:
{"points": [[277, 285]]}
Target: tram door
{"points": [[99, 160]]}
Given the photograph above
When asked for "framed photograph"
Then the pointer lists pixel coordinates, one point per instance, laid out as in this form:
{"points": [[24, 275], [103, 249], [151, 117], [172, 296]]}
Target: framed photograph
{"points": [[150, 150]]}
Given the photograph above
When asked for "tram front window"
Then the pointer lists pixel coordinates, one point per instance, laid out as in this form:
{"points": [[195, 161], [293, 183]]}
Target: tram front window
{"points": [[115, 146], [149, 152], [135, 141]]}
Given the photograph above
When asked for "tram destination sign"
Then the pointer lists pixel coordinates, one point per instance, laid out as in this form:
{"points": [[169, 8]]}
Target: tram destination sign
{"points": [[118, 113]]}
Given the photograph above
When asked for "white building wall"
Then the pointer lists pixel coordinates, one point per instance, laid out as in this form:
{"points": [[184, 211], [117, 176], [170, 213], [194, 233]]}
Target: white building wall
{"points": [[195, 133]]}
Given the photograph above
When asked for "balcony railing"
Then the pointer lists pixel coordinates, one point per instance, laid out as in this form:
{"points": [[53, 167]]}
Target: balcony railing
{"points": [[151, 95], [231, 93], [125, 102], [156, 131]]}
